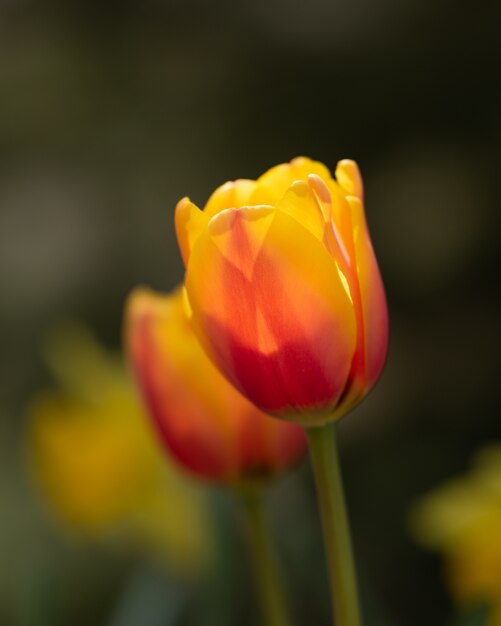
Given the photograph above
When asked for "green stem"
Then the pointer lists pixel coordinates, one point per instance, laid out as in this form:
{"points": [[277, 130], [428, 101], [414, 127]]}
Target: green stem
{"points": [[323, 452], [267, 573]]}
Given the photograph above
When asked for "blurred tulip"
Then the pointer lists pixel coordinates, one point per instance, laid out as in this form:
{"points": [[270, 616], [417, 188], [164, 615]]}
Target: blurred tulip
{"points": [[284, 290], [462, 520], [97, 463], [205, 423]]}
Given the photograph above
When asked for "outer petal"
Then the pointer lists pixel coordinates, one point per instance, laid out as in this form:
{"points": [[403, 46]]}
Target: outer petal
{"points": [[208, 426], [359, 266], [190, 221], [270, 308], [338, 240], [374, 306]]}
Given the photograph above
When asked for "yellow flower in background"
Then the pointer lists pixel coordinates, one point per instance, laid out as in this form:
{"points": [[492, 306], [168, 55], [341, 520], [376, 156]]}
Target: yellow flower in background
{"points": [[462, 520], [97, 463]]}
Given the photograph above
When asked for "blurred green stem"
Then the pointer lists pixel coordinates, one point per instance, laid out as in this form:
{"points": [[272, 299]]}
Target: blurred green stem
{"points": [[267, 572], [324, 457]]}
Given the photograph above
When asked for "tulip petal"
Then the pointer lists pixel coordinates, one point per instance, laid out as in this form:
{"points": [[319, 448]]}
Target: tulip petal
{"points": [[231, 195], [349, 178], [177, 397], [332, 238], [271, 310], [281, 177], [374, 307], [300, 203], [190, 221]]}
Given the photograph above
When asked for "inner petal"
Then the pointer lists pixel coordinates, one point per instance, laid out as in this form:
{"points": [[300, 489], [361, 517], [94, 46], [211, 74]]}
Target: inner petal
{"points": [[232, 195], [230, 234]]}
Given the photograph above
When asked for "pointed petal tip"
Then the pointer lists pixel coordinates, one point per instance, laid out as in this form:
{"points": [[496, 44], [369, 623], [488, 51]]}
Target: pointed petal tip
{"points": [[189, 223], [318, 186], [299, 160], [299, 188], [230, 195], [185, 200], [137, 301], [185, 210], [144, 302], [221, 222], [348, 166], [138, 308], [347, 163], [349, 177]]}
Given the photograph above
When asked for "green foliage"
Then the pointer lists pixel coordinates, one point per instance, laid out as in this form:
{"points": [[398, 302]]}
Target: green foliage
{"points": [[477, 616]]}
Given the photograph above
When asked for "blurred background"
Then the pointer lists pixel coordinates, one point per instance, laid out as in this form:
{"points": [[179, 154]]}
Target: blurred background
{"points": [[110, 113]]}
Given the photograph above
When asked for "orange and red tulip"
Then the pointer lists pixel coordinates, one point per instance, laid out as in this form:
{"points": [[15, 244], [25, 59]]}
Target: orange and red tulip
{"points": [[284, 290], [205, 423]]}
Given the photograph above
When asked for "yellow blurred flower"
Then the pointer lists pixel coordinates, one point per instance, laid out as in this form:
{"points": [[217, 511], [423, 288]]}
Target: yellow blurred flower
{"points": [[462, 520], [97, 463]]}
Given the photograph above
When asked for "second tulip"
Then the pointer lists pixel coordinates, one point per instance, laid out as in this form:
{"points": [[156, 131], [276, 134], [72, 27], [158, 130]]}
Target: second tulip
{"points": [[206, 424]]}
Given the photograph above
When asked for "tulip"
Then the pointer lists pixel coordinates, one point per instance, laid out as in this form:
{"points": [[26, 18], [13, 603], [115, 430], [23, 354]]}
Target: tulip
{"points": [[286, 298], [284, 291], [206, 424]]}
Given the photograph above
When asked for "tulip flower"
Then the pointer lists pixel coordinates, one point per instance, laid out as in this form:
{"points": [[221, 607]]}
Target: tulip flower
{"points": [[284, 289], [286, 298], [206, 424]]}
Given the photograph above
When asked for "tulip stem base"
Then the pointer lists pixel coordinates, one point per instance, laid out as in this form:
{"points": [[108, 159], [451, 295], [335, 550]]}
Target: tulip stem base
{"points": [[326, 468], [267, 572]]}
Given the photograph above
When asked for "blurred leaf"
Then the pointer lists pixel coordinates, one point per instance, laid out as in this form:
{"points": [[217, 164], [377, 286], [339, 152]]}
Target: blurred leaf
{"points": [[478, 616], [150, 598]]}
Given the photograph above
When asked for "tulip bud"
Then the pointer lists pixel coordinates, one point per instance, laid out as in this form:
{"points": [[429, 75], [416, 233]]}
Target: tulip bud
{"points": [[206, 424], [284, 290]]}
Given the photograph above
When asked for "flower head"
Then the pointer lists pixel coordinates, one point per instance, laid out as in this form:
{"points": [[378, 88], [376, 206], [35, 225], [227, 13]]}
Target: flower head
{"points": [[206, 424], [462, 520], [284, 290], [97, 463]]}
